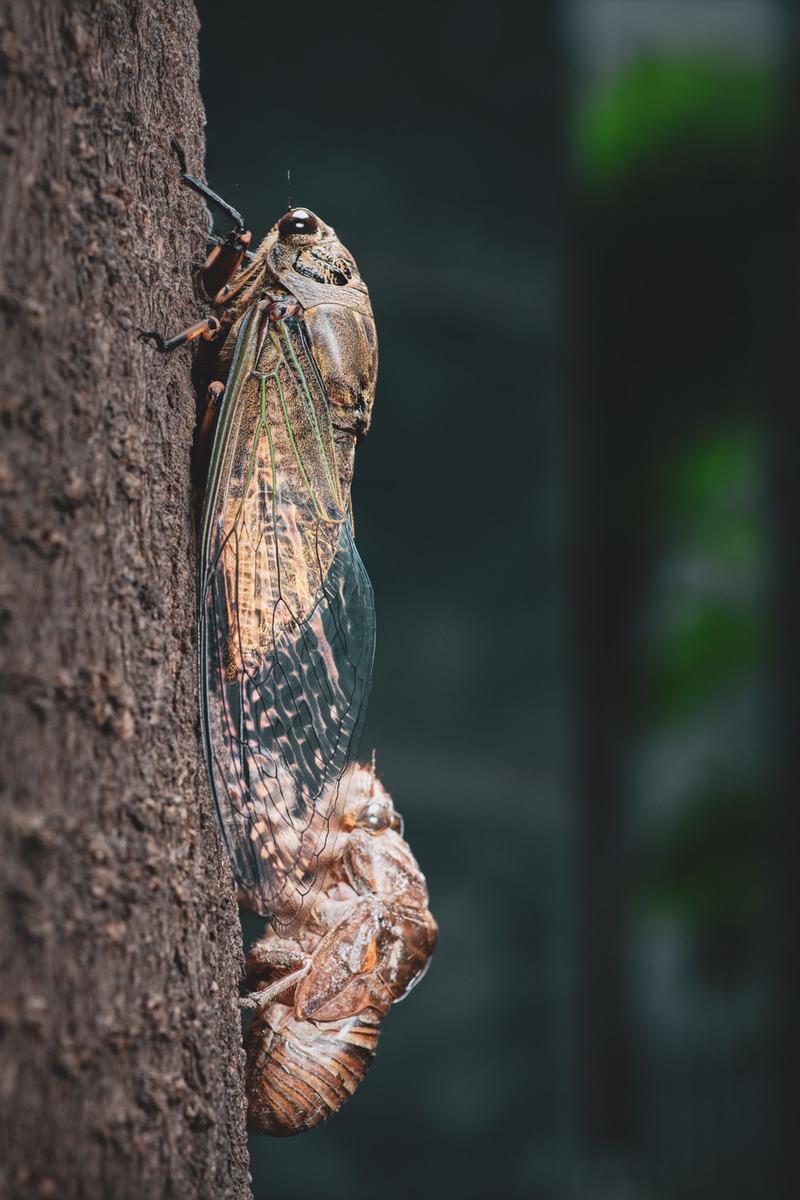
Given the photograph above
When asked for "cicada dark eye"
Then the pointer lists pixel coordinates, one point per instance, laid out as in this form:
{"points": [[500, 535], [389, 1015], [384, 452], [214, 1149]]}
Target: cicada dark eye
{"points": [[298, 221]]}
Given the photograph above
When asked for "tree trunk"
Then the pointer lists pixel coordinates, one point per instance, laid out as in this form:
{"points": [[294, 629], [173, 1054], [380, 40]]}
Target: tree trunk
{"points": [[122, 1063]]}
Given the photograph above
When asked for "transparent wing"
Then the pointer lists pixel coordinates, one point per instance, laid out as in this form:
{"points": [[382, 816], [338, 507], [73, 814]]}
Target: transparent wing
{"points": [[286, 624]]}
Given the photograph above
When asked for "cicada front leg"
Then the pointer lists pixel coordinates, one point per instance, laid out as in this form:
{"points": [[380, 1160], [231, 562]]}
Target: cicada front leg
{"points": [[271, 956], [228, 253], [223, 262]]}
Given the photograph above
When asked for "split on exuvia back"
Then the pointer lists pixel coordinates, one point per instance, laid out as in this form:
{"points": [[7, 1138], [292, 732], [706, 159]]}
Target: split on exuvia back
{"points": [[286, 635]]}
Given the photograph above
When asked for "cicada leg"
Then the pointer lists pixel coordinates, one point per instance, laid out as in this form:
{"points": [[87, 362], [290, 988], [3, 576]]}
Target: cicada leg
{"points": [[205, 428], [228, 253], [268, 956], [221, 265], [206, 329], [271, 953], [223, 261], [271, 311], [214, 395]]}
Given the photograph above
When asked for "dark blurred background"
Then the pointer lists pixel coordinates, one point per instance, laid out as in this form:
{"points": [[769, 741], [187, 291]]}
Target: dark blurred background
{"points": [[579, 507]]}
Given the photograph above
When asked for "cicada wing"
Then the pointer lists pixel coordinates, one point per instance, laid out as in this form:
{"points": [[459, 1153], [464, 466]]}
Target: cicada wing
{"points": [[287, 629]]}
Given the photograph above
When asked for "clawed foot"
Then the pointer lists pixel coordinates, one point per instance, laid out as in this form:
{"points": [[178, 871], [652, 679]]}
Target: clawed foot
{"points": [[181, 155], [207, 329], [150, 335]]}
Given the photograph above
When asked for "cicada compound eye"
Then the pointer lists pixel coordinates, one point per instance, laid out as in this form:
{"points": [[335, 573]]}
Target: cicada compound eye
{"points": [[375, 816], [298, 221]]}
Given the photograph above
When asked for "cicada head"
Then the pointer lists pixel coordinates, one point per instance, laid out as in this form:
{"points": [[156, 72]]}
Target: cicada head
{"points": [[369, 805], [307, 245], [305, 256]]}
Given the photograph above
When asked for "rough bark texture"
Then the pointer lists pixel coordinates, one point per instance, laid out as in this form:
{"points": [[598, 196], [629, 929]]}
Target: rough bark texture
{"points": [[122, 1064]]}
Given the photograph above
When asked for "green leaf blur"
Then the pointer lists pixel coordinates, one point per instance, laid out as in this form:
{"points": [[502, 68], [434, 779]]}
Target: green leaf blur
{"points": [[660, 104]]}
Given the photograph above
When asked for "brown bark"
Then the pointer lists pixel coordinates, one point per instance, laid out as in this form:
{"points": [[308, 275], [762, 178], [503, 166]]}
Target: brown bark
{"points": [[121, 1063]]}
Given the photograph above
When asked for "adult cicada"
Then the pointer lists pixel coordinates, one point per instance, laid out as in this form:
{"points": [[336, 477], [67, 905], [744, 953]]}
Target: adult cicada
{"points": [[286, 627], [286, 634]]}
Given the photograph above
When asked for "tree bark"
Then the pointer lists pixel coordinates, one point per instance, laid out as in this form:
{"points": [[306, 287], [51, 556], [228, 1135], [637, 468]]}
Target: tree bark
{"points": [[122, 1067]]}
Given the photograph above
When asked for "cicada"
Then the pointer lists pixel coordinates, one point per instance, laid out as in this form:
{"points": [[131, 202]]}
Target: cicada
{"points": [[286, 625], [286, 634]]}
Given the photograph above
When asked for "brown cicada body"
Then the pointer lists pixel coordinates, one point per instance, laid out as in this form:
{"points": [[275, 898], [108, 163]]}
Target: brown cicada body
{"points": [[286, 633], [366, 942], [286, 618]]}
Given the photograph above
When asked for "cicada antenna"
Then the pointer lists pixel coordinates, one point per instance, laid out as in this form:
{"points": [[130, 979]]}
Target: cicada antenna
{"points": [[373, 768], [288, 187]]}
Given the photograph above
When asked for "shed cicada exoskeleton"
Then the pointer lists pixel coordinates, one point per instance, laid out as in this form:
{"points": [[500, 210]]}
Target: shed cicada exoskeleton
{"points": [[320, 997], [286, 625]]}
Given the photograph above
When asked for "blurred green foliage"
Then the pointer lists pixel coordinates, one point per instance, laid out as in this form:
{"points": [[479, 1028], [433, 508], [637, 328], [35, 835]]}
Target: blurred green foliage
{"points": [[661, 103], [707, 869], [715, 634], [704, 864], [711, 646], [710, 496]]}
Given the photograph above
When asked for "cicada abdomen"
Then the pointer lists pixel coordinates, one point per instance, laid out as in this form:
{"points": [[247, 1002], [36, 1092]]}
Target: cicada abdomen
{"points": [[366, 942], [299, 1072]]}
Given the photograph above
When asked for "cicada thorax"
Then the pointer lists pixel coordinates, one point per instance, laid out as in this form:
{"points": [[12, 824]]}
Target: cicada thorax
{"points": [[315, 269]]}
